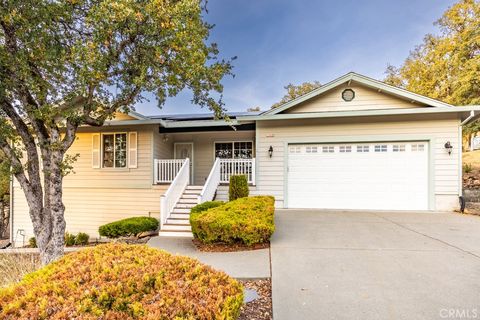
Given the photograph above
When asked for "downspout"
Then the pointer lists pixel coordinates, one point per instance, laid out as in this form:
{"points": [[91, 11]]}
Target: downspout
{"points": [[460, 137]]}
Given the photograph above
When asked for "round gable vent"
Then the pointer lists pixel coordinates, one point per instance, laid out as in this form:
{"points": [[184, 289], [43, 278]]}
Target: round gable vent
{"points": [[348, 95]]}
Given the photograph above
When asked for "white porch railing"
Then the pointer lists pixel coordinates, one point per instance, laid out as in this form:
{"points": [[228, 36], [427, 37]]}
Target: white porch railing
{"points": [[174, 191], [210, 186], [165, 170], [231, 167]]}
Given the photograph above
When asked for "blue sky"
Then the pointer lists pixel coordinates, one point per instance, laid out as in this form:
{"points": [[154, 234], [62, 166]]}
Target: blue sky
{"points": [[279, 42]]}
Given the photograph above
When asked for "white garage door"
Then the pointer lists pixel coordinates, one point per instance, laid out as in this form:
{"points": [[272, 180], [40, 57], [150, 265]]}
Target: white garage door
{"points": [[391, 175]]}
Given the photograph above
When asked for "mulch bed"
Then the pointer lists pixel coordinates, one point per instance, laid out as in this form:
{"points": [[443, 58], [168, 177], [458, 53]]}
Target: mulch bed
{"points": [[260, 309], [223, 247]]}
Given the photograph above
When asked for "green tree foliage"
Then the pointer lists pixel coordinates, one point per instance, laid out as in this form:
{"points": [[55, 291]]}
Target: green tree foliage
{"points": [[295, 91], [64, 64], [446, 66]]}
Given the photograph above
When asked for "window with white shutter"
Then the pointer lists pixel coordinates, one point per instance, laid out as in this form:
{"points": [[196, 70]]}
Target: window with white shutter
{"points": [[96, 150], [132, 149]]}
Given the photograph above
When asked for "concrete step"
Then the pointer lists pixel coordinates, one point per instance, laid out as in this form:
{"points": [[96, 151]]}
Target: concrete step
{"points": [[176, 227], [185, 205], [189, 196], [194, 188], [179, 234], [181, 210], [183, 200], [180, 216], [178, 222]]}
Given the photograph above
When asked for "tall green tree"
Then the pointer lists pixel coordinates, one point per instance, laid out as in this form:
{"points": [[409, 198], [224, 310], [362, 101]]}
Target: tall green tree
{"points": [[295, 91], [446, 66], [64, 64]]}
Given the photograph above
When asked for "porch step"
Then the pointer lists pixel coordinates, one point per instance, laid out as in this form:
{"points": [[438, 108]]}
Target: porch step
{"points": [[194, 188], [176, 227], [180, 215], [181, 210], [185, 205], [179, 234], [187, 200], [178, 222], [190, 196]]}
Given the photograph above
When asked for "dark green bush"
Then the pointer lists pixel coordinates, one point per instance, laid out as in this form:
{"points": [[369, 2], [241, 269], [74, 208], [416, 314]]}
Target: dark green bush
{"points": [[70, 239], [245, 220], [120, 281], [206, 205], [82, 238], [32, 242], [128, 227], [238, 187]]}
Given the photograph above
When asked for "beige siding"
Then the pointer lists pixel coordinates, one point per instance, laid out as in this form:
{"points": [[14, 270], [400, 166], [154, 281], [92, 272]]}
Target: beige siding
{"points": [[94, 197], [270, 171], [162, 146], [365, 99], [88, 208], [203, 148]]}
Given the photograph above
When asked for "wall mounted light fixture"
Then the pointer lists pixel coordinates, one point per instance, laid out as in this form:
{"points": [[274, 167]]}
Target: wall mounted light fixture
{"points": [[448, 147], [165, 138], [270, 151]]}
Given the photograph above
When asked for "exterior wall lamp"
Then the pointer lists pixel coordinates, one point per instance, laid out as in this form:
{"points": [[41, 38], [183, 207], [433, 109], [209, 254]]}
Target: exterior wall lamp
{"points": [[270, 151], [448, 147]]}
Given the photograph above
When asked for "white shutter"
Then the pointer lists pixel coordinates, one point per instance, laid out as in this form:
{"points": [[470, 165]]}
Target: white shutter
{"points": [[96, 150], [132, 149]]}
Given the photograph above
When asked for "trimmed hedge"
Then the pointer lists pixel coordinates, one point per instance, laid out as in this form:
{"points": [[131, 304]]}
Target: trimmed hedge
{"points": [[238, 187], [120, 281], [206, 205], [245, 220], [128, 227]]}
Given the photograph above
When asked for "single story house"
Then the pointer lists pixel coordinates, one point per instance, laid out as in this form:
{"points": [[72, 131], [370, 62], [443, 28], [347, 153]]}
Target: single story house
{"points": [[354, 143]]}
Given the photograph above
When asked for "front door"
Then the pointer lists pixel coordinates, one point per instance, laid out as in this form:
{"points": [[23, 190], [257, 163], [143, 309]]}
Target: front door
{"points": [[184, 150]]}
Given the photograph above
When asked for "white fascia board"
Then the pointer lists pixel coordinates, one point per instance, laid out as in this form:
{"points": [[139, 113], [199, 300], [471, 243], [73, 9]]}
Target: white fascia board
{"points": [[360, 113]]}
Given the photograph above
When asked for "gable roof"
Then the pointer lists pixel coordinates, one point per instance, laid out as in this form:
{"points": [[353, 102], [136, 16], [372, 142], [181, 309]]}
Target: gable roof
{"points": [[366, 81]]}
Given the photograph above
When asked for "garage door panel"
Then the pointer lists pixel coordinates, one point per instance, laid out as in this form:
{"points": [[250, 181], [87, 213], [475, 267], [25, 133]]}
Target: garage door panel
{"points": [[391, 175]]}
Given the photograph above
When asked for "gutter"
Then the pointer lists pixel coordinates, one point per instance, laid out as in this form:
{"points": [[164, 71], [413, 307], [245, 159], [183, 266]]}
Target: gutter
{"points": [[472, 114]]}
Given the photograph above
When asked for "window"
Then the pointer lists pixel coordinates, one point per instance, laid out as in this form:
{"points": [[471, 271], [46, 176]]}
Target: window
{"points": [[237, 150], [398, 148], [295, 149], [418, 147], [344, 149], [363, 148], [311, 149], [381, 148], [328, 149], [114, 150]]}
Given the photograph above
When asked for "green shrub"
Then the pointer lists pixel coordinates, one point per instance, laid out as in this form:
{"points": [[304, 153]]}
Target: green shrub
{"points": [[245, 220], [128, 227], [70, 239], [32, 242], [467, 168], [238, 187], [206, 205], [82, 238], [120, 281]]}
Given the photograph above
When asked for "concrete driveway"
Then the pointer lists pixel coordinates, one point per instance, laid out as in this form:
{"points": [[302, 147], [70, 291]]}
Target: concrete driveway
{"points": [[375, 265]]}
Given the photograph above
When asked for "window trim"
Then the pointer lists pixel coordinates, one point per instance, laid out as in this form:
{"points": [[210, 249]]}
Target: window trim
{"points": [[233, 147], [102, 150]]}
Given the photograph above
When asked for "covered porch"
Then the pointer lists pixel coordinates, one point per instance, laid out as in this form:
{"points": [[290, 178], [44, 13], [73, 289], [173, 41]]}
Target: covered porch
{"points": [[233, 150]]}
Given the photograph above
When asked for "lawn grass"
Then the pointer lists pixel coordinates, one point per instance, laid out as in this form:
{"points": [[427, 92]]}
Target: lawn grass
{"points": [[13, 267]]}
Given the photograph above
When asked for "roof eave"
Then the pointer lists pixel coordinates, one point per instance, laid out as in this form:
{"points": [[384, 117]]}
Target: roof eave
{"points": [[360, 113]]}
